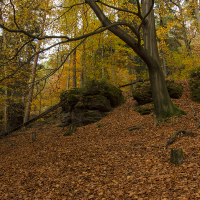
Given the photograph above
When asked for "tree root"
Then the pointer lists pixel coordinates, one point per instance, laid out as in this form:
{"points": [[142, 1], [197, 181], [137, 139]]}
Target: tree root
{"points": [[189, 132]]}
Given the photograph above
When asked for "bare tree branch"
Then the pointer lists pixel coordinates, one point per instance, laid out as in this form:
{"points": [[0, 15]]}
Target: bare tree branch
{"points": [[139, 9], [121, 9], [14, 14], [69, 8], [143, 20]]}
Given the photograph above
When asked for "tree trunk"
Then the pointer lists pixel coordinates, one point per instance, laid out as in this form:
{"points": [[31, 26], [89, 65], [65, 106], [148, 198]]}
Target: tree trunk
{"points": [[3, 46], [149, 31], [81, 76], [197, 12], [68, 72], [83, 58], [131, 81], [102, 65], [74, 69], [112, 62], [5, 88], [74, 57], [162, 102], [30, 94], [186, 38], [33, 75], [84, 64]]}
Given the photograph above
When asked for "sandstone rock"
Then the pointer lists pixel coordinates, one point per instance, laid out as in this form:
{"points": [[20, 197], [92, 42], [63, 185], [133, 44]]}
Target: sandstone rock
{"points": [[66, 119], [97, 102], [92, 116], [143, 95], [195, 85], [90, 103]]}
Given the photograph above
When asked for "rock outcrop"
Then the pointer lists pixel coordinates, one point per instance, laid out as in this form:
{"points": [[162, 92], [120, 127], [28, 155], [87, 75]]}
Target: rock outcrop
{"points": [[143, 95], [90, 103], [195, 85]]}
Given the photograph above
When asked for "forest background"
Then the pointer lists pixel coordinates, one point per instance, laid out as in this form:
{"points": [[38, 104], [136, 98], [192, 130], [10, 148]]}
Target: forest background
{"points": [[34, 72]]}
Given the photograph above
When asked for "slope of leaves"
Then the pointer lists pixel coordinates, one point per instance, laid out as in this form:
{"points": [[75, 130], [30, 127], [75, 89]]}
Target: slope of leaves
{"points": [[107, 162]]}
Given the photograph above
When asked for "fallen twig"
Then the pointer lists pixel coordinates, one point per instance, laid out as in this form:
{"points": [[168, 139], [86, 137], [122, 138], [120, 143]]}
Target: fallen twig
{"points": [[189, 132]]}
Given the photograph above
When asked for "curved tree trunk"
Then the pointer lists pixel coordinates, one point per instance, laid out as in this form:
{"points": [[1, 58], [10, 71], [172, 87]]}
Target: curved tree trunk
{"points": [[162, 102]]}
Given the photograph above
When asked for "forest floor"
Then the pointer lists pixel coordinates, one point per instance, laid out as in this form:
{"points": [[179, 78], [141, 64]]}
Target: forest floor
{"points": [[108, 162]]}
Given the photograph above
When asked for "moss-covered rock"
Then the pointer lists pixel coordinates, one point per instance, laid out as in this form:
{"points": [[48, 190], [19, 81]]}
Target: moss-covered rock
{"points": [[144, 110], [195, 85], [175, 89], [92, 116], [143, 95], [97, 102], [195, 90], [95, 87], [77, 115], [90, 103], [72, 97]]}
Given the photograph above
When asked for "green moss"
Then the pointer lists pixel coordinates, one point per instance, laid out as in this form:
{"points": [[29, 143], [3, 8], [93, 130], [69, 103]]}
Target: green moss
{"points": [[71, 130], [138, 84], [72, 98], [90, 114], [100, 125], [59, 125], [195, 89], [143, 110], [175, 89], [176, 112], [79, 105]]}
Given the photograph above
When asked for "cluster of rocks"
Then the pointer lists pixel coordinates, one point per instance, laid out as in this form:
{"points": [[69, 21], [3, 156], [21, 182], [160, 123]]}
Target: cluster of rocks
{"points": [[89, 104], [93, 101], [143, 95]]}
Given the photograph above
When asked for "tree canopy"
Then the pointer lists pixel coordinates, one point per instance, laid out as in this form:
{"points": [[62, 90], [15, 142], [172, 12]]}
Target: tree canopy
{"points": [[76, 40]]}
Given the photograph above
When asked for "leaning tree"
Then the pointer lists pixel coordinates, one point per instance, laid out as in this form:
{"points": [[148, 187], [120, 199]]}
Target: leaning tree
{"points": [[145, 31]]}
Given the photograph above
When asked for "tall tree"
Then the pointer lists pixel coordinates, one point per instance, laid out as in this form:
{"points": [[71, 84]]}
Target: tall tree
{"points": [[33, 75], [163, 104]]}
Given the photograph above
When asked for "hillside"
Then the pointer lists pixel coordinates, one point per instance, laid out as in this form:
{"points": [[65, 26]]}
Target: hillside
{"points": [[108, 162]]}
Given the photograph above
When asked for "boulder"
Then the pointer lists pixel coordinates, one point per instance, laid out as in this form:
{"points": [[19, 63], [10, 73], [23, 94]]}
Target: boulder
{"points": [[97, 102], [66, 119], [105, 89], [77, 114], [195, 86], [92, 116], [143, 95], [175, 89], [90, 103], [72, 97], [144, 110]]}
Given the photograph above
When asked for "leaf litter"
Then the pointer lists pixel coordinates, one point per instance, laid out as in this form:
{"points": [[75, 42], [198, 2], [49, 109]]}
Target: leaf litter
{"points": [[104, 162]]}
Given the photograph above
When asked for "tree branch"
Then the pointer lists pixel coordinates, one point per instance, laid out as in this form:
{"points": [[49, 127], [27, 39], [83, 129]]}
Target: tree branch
{"points": [[121, 9], [14, 14], [143, 20]]}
